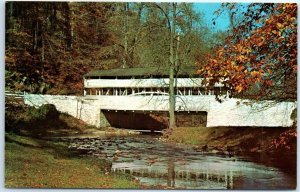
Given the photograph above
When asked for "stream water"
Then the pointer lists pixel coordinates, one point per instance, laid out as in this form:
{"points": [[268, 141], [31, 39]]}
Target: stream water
{"points": [[155, 163]]}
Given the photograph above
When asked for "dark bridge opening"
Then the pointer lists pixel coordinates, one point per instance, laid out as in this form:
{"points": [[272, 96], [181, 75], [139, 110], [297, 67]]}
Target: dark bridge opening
{"points": [[191, 119], [156, 121]]}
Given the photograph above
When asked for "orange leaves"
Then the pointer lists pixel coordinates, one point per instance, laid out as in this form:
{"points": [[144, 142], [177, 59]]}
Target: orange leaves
{"points": [[241, 58], [220, 52], [214, 61], [259, 56], [239, 47], [269, 82], [258, 40], [255, 74], [275, 32], [279, 26], [261, 41], [239, 88]]}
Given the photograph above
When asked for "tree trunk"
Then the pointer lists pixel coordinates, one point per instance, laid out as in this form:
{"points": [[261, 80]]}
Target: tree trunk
{"points": [[172, 119], [68, 24], [231, 17], [10, 9], [42, 86], [126, 7], [136, 36]]}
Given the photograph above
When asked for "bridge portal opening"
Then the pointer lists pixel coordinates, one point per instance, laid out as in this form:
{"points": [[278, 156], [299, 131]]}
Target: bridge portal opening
{"points": [[191, 118], [155, 121]]}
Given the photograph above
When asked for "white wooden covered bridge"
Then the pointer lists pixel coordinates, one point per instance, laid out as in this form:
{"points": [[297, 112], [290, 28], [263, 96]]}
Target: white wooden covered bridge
{"points": [[136, 90], [139, 97], [146, 81]]}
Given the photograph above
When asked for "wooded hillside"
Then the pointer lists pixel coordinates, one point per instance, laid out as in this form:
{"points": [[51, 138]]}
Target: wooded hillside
{"points": [[51, 45]]}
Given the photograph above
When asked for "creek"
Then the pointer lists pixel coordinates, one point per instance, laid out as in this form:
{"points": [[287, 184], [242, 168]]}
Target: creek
{"points": [[156, 163]]}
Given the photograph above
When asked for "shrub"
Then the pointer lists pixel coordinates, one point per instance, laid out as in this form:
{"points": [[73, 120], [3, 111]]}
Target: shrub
{"points": [[15, 116], [45, 112]]}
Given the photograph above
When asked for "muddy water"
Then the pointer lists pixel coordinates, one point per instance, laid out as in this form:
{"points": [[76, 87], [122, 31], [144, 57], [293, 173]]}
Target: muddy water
{"points": [[155, 163]]}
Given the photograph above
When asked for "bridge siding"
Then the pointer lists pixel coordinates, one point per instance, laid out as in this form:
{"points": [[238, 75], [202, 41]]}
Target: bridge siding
{"points": [[143, 83]]}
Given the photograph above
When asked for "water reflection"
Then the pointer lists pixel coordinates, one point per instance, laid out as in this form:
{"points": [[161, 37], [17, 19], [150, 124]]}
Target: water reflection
{"points": [[171, 173], [178, 177], [156, 163]]}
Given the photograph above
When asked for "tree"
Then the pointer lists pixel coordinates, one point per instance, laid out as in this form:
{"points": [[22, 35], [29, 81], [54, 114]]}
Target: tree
{"points": [[259, 58], [148, 34], [179, 20], [173, 64], [51, 45]]}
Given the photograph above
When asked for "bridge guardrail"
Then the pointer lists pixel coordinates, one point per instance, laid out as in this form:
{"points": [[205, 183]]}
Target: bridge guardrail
{"points": [[16, 94], [24, 96]]}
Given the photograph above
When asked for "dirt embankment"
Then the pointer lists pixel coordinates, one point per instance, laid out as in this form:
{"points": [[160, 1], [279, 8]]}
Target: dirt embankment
{"points": [[237, 139], [274, 146]]}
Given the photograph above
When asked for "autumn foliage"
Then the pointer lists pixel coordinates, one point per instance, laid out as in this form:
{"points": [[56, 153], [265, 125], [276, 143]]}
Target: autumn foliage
{"points": [[260, 57], [50, 46], [286, 140]]}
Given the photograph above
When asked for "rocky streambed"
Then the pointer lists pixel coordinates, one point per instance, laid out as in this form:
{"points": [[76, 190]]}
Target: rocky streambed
{"points": [[156, 163]]}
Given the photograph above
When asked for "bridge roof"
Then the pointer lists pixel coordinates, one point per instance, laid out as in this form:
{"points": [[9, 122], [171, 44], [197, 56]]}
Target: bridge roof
{"points": [[142, 72]]}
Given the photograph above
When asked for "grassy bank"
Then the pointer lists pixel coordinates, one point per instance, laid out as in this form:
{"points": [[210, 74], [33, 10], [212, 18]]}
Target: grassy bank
{"points": [[33, 163], [250, 139]]}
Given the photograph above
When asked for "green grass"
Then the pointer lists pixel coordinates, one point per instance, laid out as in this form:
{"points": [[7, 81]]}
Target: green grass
{"points": [[31, 163], [190, 135]]}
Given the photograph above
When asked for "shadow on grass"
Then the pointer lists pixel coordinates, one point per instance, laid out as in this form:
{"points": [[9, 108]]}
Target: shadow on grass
{"points": [[34, 124], [44, 121]]}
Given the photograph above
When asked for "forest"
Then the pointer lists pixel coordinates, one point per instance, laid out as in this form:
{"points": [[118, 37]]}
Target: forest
{"points": [[50, 46]]}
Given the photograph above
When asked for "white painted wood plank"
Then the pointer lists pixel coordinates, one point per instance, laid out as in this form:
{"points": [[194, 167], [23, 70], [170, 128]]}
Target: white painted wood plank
{"points": [[141, 83]]}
